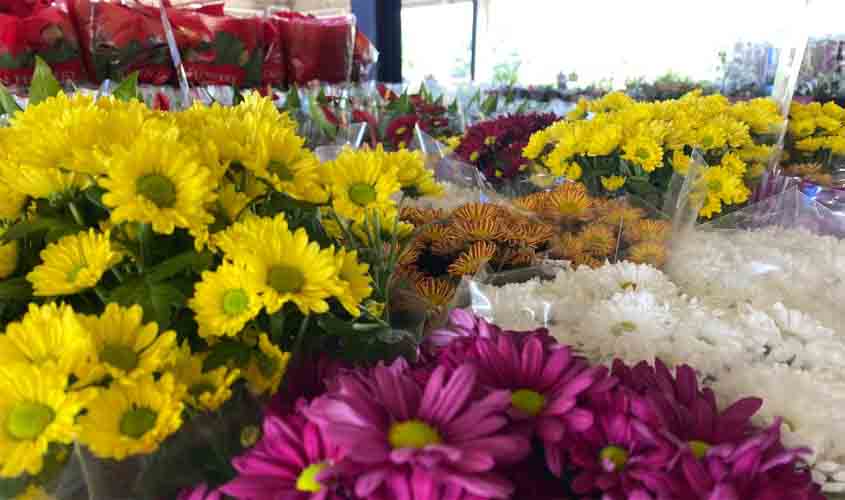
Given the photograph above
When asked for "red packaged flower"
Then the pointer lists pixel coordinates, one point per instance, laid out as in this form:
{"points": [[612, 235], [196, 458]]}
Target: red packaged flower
{"points": [[218, 49], [119, 39], [273, 68], [37, 29], [318, 48]]}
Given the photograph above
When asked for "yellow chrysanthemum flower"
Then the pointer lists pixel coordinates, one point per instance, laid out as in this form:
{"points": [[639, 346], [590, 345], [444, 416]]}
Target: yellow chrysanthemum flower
{"points": [[389, 223], [34, 492], [710, 137], [74, 263], [810, 144], [38, 182], [361, 182], [281, 158], [158, 181], [49, 335], [133, 419], [261, 108], [225, 300], [266, 368], [724, 185], [124, 347], [354, 280], [733, 164], [8, 258], [11, 202], [536, 144], [205, 390], [644, 152], [605, 139], [232, 202], [289, 267], [415, 179], [802, 128], [35, 410], [613, 182]]}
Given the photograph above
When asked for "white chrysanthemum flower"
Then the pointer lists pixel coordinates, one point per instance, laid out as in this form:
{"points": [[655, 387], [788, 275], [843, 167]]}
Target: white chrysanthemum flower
{"points": [[629, 276], [631, 326]]}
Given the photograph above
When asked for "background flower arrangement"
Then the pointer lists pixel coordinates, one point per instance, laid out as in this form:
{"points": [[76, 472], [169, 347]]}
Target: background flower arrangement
{"points": [[154, 263], [635, 147]]}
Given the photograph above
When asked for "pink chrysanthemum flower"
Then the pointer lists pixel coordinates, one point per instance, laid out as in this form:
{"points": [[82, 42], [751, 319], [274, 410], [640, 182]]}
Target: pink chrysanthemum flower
{"points": [[392, 428], [292, 461]]}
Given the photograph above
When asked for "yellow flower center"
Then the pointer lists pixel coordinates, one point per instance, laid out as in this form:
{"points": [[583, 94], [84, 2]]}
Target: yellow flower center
{"points": [[714, 186], [74, 273], [474, 156], [28, 420], [623, 327], [250, 435], [628, 285], [235, 301], [490, 140], [307, 480], [158, 189], [412, 434], [528, 401], [137, 422], [267, 365], [119, 356], [401, 130], [707, 141], [286, 279], [280, 170], [362, 194], [643, 154], [615, 456], [699, 448], [200, 388]]}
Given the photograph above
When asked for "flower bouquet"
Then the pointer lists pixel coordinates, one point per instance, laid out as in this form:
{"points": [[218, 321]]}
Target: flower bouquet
{"points": [[156, 264], [41, 29], [317, 48], [493, 414], [637, 147], [495, 146], [218, 49]]}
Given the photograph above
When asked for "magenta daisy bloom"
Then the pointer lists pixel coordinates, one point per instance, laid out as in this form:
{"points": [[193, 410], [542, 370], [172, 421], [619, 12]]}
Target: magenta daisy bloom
{"points": [[544, 383], [390, 426], [757, 468], [619, 455], [199, 492], [292, 461], [686, 413]]}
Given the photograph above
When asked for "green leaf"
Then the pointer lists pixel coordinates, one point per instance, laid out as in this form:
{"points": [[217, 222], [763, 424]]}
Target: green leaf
{"points": [[488, 107], [44, 84], [453, 108], [26, 228], [318, 116], [128, 88], [189, 260], [225, 351], [336, 326], [293, 103], [157, 299], [8, 104], [227, 49], [15, 289]]}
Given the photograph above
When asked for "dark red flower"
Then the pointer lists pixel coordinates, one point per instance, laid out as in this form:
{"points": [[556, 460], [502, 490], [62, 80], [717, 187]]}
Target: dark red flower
{"points": [[400, 131]]}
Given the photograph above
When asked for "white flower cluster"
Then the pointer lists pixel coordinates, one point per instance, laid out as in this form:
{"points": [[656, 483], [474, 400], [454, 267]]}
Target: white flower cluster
{"points": [[795, 267], [634, 312]]}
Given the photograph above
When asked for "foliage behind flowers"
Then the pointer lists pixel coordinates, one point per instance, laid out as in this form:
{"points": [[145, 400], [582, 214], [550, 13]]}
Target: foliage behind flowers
{"points": [[151, 261], [635, 147]]}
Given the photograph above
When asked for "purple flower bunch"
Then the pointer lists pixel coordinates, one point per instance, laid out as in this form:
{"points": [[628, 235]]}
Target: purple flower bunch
{"points": [[488, 414]]}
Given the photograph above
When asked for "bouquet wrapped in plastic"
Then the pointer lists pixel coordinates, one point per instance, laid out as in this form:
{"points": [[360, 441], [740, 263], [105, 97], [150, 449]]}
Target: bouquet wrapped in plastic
{"points": [[43, 29], [317, 48]]}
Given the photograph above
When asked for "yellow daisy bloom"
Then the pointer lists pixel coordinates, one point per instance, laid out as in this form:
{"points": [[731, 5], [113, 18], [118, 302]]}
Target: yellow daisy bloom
{"points": [[124, 347], [648, 252], [361, 182], [471, 261], [38, 182], [49, 335], [605, 139], [225, 300], [415, 179], [11, 202], [35, 411], [598, 240], [644, 152], [157, 181], [803, 128], [205, 390], [34, 492], [133, 419], [710, 137], [388, 222], [437, 292], [231, 201], [8, 258], [680, 162], [74, 263], [613, 182], [261, 108], [283, 160], [810, 144], [266, 368], [354, 280], [289, 267]]}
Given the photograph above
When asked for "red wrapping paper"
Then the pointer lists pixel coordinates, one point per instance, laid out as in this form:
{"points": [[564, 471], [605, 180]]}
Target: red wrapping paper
{"points": [[317, 49]]}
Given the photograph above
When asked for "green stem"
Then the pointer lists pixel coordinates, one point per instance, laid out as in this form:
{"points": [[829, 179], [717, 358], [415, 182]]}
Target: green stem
{"points": [[144, 240], [101, 294], [77, 216]]}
